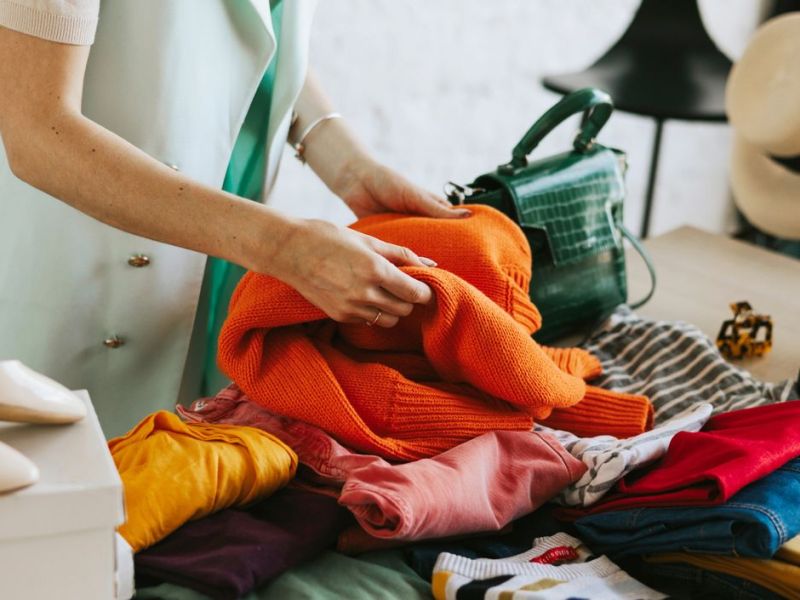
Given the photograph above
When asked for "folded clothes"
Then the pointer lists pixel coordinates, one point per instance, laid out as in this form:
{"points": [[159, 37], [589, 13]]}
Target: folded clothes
{"points": [[354, 540], [706, 468], [227, 554], [329, 576], [327, 463], [458, 367], [754, 523], [609, 459], [675, 365], [422, 555], [173, 472], [478, 486], [555, 568], [774, 575]]}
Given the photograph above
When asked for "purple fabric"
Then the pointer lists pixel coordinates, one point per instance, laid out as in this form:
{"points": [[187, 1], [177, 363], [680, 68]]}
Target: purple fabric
{"points": [[229, 553]]}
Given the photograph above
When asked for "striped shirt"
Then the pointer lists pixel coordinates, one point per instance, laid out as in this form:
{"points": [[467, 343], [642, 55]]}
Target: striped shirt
{"points": [[675, 365], [685, 377]]}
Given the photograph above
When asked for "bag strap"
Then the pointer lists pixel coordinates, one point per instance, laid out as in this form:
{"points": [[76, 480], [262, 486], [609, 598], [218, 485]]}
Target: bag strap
{"points": [[596, 106], [648, 261]]}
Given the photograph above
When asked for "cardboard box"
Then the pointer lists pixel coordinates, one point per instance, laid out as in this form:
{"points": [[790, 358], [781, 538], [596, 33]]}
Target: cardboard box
{"points": [[57, 537]]}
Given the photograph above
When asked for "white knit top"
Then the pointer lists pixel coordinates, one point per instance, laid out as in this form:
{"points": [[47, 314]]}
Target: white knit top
{"points": [[65, 21]]}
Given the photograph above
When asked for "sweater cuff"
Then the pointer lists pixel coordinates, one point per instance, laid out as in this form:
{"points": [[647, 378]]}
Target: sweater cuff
{"points": [[66, 29], [603, 412]]}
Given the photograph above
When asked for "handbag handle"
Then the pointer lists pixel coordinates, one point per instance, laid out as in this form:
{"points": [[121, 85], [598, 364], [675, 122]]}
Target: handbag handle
{"points": [[640, 249], [595, 103]]}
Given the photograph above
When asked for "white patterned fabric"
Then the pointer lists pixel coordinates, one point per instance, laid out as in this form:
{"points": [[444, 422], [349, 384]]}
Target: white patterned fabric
{"points": [[609, 459], [555, 568]]}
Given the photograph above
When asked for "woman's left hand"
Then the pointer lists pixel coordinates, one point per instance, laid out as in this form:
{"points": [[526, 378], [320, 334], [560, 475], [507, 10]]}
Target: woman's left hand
{"points": [[370, 188], [365, 185]]}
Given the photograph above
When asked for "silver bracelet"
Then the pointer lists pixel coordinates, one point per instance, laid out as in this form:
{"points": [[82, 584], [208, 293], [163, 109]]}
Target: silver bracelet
{"points": [[299, 147]]}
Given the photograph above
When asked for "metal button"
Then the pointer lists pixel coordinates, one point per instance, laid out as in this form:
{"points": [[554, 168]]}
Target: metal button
{"points": [[113, 341], [138, 260]]}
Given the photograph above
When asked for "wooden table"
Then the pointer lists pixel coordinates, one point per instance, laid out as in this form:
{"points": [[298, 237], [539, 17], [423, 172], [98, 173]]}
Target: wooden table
{"points": [[700, 274]]}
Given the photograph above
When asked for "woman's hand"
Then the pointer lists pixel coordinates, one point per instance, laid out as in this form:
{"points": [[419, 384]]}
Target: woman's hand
{"points": [[368, 188], [351, 276]]}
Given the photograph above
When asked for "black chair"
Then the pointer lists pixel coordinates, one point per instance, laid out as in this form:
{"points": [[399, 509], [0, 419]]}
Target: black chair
{"points": [[664, 66]]}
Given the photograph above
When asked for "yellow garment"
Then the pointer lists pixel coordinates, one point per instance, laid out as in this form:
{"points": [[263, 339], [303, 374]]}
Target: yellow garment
{"points": [[790, 551], [173, 472], [774, 575]]}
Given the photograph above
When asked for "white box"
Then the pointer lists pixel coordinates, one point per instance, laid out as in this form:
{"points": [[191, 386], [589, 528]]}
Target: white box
{"points": [[57, 537]]}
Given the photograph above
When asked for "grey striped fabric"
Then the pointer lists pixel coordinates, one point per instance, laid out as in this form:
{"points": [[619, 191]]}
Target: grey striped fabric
{"points": [[675, 365]]}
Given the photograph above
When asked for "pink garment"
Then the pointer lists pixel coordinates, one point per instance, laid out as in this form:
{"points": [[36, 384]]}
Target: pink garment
{"points": [[480, 485]]}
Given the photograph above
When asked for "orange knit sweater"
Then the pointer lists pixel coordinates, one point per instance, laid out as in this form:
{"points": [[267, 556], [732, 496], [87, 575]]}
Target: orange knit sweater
{"points": [[458, 367]]}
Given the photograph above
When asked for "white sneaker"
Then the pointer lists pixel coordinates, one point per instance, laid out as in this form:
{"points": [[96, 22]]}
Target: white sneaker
{"points": [[16, 471], [30, 397]]}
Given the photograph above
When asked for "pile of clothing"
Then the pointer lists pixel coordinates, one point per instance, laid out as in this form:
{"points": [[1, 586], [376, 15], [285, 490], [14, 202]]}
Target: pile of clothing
{"points": [[441, 448]]}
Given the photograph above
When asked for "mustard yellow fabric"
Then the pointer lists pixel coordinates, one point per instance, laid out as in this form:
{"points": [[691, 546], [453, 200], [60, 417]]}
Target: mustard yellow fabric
{"points": [[790, 551], [775, 575], [173, 472]]}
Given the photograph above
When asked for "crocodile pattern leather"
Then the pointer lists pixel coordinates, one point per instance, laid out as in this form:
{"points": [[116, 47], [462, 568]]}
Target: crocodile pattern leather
{"points": [[570, 208]]}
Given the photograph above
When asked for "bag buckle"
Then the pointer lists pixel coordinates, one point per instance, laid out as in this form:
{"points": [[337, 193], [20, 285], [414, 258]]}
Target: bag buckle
{"points": [[457, 193]]}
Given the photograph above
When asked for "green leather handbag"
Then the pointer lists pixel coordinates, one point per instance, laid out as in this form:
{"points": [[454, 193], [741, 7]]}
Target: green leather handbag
{"points": [[570, 208]]}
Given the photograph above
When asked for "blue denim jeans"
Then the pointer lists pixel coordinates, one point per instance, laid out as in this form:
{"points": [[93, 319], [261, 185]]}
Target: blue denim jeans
{"points": [[755, 522]]}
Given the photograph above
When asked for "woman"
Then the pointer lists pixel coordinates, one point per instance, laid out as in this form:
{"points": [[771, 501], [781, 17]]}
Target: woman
{"points": [[175, 99]]}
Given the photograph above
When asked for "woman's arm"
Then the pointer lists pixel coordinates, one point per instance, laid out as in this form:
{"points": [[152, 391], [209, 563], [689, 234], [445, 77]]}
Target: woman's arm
{"points": [[52, 146], [343, 164]]}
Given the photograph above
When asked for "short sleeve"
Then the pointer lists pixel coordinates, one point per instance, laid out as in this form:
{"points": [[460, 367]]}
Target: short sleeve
{"points": [[65, 21]]}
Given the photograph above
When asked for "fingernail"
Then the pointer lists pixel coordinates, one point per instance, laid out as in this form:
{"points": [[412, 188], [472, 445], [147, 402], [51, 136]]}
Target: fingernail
{"points": [[427, 261], [463, 213]]}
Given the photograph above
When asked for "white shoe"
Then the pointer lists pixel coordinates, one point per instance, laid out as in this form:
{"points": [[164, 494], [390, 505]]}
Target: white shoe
{"points": [[29, 397], [16, 471]]}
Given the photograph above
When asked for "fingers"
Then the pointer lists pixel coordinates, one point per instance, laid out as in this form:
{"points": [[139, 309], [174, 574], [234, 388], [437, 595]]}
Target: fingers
{"points": [[393, 280], [405, 287], [367, 315], [400, 255], [388, 303], [379, 308], [371, 316], [429, 205]]}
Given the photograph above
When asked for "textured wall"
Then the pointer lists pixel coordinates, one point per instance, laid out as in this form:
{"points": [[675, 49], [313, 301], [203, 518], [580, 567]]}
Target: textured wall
{"points": [[442, 89]]}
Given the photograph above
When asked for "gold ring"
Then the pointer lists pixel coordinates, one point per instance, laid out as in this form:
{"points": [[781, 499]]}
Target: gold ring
{"points": [[375, 320]]}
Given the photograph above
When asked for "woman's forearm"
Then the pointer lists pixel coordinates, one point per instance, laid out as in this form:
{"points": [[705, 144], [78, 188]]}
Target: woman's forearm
{"points": [[341, 162], [52, 146], [97, 172], [332, 150]]}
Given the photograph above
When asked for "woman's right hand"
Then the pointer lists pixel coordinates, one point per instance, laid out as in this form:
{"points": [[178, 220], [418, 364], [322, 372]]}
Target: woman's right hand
{"points": [[349, 275]]}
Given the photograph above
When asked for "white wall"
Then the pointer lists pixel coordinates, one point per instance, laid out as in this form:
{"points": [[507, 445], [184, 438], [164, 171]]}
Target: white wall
{"points": [[443, 89]]}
